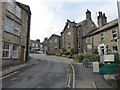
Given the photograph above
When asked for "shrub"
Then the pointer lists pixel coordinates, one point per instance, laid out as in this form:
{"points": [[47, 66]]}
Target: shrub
{"points": [[79, 57]]}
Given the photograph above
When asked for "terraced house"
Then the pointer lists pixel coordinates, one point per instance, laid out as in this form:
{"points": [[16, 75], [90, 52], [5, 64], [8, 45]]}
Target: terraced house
{"points": [[104, 38], [53, 45], [71, 36], [14, 32], [35, 46]]}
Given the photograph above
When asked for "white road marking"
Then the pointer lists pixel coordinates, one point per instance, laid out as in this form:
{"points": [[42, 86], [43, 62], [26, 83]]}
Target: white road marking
{"points": [[9, 75], [94, 85], [73, 85]]}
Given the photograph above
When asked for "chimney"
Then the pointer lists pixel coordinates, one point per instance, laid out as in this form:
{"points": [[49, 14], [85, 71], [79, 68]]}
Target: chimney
{"points": [[88, 15], [38, 40], [102, 19]]}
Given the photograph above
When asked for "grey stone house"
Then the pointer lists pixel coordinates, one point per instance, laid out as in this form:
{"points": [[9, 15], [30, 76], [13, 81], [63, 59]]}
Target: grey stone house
{"points": [[104, 38], [45, 45], [35, 46], [53, 45], [14, 32], [71, 36]]}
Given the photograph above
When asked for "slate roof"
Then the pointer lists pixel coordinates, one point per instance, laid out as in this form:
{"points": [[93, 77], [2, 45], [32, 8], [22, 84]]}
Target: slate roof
{"points": [[54, 35], [103, 28]]}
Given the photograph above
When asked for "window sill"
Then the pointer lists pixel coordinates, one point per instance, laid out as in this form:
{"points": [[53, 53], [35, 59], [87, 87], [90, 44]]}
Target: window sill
{"points": [[5, 58], [13, 14], [9, 58], [101, 42], [113, 40], [13, 34]]}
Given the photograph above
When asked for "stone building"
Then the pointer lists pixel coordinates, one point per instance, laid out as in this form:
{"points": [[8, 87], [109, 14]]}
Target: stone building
{"points": [[53, 45], [104, 38], [71, 36], [35, 46], [45, 45], [14, 32]]}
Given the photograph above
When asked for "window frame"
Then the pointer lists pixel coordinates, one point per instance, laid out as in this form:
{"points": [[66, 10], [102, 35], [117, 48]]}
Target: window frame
{"points": [[15, 51], [10, 24], [18, 11], [6, 50], [113, 49], [101, 37], [17, 28], [55, 40], [10, 6], [114, 33]]}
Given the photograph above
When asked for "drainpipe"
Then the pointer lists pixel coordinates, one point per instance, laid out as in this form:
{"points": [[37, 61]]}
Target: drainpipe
{"points": [[28, 37]]}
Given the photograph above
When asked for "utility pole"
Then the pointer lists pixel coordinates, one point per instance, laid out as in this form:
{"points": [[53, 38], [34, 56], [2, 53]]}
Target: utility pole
{"points": [[118, 41]]}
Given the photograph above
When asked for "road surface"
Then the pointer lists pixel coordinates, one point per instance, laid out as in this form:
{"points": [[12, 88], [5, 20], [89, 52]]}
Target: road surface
{"points": [[47, 72]]}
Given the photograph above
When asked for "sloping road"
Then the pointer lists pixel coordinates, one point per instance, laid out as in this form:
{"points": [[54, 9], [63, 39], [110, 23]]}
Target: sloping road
{"points": [[49, 72]]}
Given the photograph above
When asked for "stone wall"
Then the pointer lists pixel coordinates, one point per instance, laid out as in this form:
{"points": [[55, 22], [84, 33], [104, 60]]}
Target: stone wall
{"points": [[0, 34]]}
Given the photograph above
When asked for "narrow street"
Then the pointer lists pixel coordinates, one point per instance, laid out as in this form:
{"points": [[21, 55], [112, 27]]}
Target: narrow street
{"points": [[49, 72], [52, 72]]}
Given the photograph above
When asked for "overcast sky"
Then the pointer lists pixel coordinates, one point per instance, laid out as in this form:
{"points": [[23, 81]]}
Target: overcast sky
{"points": [[49, 16]]}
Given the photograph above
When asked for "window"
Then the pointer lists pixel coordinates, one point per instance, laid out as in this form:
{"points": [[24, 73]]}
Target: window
{"points": [[15, 51], [6, 50], [68, 26], [55, 40], [87, 40], [114, 34], [69, 45], [36, 45], [115, 49], [33, 44], [10, 6], [101, 37], [8, 24], [17, 29], [69, 33], [12, 26], [78, 45], [78, 33], [50, 41], [18, 11], [55, 47]]}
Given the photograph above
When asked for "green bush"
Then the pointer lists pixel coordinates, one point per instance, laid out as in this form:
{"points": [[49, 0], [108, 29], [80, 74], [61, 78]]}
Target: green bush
{"points": [[79, 57], [91, 57]]}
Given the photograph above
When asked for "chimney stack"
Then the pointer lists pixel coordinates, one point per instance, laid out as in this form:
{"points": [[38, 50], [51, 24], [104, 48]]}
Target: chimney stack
{"points": [[102, 19], [88, 15]]}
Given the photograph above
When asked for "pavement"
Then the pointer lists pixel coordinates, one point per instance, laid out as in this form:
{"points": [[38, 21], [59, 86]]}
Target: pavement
{"points": [[10, 69], [85, 78]]}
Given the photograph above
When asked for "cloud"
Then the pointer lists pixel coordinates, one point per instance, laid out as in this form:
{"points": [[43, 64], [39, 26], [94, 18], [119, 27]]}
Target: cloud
{"points": [[49, 17]]}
